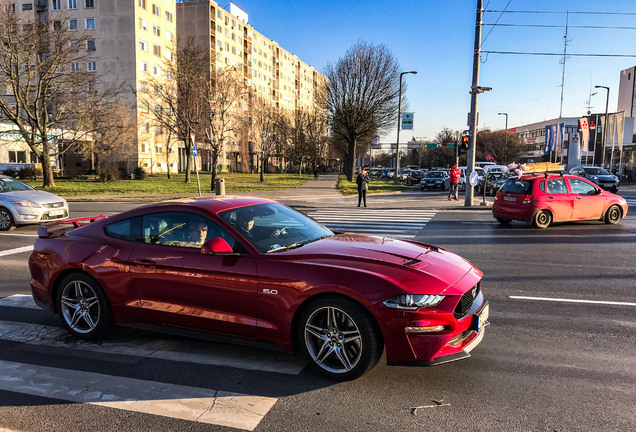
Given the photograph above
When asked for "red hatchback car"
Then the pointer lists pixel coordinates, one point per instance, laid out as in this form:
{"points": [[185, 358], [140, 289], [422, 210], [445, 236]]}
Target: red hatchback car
{"points": [[541, 199], [258, 270]]}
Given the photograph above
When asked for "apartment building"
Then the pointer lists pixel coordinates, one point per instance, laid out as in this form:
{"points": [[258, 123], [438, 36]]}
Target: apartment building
{"points": [[129, 40], [270, 71]]}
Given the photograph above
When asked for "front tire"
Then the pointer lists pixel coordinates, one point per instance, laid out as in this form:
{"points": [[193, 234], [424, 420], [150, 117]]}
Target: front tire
{"points": [[613, 215], [6, 220], [83, 307], [339, 338], [542, 219]]}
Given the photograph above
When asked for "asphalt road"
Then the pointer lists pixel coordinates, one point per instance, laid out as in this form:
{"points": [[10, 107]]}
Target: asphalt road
{"points": [[558, 355]]}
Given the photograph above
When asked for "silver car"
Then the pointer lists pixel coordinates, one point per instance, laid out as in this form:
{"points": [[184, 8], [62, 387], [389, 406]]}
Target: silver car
{"points": [[599, 176], [20, 204]]}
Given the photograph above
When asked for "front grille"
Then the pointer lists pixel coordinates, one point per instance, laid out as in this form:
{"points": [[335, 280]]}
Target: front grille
{"points": [[466, 301], [54, 205]]}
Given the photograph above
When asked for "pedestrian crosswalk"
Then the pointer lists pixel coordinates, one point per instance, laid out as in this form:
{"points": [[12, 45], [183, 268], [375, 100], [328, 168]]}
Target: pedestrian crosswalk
{"points": [[398, 223], [197, 404]]}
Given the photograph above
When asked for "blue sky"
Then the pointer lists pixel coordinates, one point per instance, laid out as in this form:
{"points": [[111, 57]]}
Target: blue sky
{"points": [[436, 38]]}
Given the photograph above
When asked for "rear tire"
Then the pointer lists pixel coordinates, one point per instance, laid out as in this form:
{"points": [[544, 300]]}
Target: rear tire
{"points": [[613, 215], [339, 338], [542, 219], [83, 307], [6, 220]]}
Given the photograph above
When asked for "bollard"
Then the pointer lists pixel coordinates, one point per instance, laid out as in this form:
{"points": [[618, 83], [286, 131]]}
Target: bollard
{"points": [[220, 186]]}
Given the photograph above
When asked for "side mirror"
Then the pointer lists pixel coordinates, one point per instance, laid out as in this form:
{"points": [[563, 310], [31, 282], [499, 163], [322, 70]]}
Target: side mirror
{"points": [[597, 191], [217, 245]]}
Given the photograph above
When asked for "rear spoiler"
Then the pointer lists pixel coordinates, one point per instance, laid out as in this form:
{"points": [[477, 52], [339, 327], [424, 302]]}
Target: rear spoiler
{"points": [[46, 231]]}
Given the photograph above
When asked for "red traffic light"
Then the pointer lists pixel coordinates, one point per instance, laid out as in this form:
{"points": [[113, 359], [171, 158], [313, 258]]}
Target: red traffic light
{"points": [[465, 140]]}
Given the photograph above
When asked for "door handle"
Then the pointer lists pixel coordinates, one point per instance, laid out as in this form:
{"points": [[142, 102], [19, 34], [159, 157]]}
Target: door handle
{"points": [[578, 197], [145, 262], [550, 197]]}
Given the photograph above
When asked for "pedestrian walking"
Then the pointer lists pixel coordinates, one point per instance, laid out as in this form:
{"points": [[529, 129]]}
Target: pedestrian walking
{"points": [[363, 185], [315, 172], [454, 180]]}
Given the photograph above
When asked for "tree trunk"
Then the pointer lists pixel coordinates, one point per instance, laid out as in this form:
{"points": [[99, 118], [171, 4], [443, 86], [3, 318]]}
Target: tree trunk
{"points": [[168, 154], [47, 170], [262, 167], [215, 158], [188, 152], [350, 161]]}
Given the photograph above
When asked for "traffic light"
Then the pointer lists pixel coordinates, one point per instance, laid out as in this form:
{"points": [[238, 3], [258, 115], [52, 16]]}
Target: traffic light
{"points": [[463, 144]]}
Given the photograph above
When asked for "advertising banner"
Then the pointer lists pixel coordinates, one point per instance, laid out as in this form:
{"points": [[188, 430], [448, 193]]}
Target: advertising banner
{"points": [[620, 122], [611, 130], [585, 134], [407, 121], [603, 131], [550, 139]]}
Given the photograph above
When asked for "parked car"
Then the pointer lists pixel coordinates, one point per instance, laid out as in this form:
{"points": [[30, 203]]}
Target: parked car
{"points": [[493, 181], [415, 177], [435, 180], [599, 176], [546, 198], [260, 271], [463, 176], [20, 204], [495, 168]]}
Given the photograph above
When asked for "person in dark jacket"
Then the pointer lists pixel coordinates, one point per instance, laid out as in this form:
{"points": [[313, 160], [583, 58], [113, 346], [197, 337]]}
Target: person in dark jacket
{"points": [[363, 185]]}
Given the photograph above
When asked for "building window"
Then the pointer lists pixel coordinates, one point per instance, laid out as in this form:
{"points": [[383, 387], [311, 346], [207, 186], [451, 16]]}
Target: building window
{"points": [[156, 70], [89, 4], [27, 6], [57, 25], [143, 66], [168, 16], [141, 4], [156, 50], [169, 36], [156, 30], [156, 90], [169, 55], [156, 10], [158, 131], [56, 4], [145, 148], [75, 66], [90, 44], [90, 23], [143, 86], [143, 25], [159, 147], [143, 46], [72, 4], [72, 24], [92, 66]]}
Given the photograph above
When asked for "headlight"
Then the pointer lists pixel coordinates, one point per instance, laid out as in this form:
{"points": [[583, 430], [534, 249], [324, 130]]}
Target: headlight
{"points": [[413, 301], [26, 204], [594, 177]]}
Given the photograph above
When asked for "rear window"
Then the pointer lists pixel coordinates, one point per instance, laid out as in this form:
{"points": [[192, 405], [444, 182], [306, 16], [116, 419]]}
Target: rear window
{"points": [[517, 186]]}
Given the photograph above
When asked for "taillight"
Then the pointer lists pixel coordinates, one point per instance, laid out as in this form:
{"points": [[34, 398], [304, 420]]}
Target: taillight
{"points": [[527, 199]]}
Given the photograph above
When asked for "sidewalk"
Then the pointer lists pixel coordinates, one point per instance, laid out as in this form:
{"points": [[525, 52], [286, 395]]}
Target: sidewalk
{"points": [[320, 192]]}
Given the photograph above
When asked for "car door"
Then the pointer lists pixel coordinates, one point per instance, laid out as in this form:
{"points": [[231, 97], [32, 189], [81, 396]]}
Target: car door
{"points": [[558, 199], [587, 203], [178, 285]]}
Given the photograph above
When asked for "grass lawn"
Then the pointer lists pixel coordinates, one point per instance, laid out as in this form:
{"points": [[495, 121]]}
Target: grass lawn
{"points": [[160, 184], [375, 186]]}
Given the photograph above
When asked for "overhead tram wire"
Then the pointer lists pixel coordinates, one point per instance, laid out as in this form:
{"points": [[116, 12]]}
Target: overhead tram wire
{"points": [[560, 26], [559, 54], [563, 12]]}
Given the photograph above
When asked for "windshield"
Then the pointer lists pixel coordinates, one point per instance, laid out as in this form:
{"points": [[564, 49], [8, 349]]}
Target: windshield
{"points": [[11, 185], [273, 227], [435, 174], [596, 171], [517, 186]]}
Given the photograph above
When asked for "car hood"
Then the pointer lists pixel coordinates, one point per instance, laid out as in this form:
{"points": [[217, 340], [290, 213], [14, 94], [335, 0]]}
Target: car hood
{"points": [[603, 177], [40, 197], [406, 264]]}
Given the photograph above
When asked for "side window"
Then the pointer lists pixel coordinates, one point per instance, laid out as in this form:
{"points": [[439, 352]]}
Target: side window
{"points": [[127, 229], [542, 186], [181, 229], [581, 187], [557, 186]]}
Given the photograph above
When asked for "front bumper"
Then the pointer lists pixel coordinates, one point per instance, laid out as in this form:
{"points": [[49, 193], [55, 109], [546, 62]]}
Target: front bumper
{"points": [[32, 215], [459, 336]]}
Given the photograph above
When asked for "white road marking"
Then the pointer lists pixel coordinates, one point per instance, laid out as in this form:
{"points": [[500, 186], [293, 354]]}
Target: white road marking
{"points": [[200, 352], [574, 300], [182, 402], [18, 235], [16, 250]]}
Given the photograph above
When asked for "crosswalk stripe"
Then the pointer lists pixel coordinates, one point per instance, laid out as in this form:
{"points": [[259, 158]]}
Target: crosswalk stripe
{"points": [[201, 353], [168, 400], [389, 223]]}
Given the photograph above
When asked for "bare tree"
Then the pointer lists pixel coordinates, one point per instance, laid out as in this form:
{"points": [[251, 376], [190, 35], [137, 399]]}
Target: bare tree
{"points": [[224, 95], [504, 146], [179, 103], [363, 96], [54, 90]]}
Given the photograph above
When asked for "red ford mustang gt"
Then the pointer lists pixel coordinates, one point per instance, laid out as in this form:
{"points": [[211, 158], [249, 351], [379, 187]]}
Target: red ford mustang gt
{"points": [[258, 270]]}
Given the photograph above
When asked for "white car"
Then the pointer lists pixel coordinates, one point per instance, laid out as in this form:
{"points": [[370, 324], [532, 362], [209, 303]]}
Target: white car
{"points": [[20, 204]]}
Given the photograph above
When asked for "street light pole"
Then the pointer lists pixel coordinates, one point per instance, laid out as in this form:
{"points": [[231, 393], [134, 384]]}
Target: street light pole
{"points": [[397, 145], [603, 138], [506, 114]]}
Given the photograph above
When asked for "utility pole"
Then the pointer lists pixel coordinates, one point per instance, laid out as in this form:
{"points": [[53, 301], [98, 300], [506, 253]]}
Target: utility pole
{"points": [[475, 89]]}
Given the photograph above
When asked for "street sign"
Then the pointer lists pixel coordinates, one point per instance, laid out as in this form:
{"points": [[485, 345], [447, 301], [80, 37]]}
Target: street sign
{"points": [[194, 151], [407, 121], [474, 178], [431, 145], [450, 145]]}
